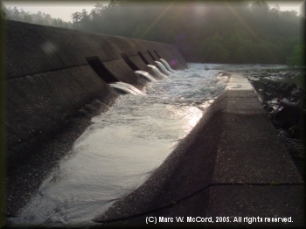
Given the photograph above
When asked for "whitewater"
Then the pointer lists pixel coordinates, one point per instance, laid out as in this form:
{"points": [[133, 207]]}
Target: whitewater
{"points": [[123, 146]]}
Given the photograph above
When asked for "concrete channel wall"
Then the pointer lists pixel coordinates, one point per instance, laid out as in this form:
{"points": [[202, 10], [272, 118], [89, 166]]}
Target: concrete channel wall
{"points": [[232, 164], [53, 72]]}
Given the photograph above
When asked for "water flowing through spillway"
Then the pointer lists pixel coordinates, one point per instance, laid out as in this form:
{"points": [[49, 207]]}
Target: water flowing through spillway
{"points": [[162, 68], [125, 88], [123, 146], [165, 63]]}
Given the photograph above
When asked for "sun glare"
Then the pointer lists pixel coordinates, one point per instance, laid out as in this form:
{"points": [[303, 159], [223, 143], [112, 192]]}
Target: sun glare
{"points": [[200, 9]]}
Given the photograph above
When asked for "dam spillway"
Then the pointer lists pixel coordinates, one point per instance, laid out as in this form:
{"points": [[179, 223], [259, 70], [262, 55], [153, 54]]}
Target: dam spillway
{"points": [[43, 94], [44, 61], [53, 76]]}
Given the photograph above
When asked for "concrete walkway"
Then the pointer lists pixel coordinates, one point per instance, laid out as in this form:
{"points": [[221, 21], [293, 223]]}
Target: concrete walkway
{"points": [[231, 167]]}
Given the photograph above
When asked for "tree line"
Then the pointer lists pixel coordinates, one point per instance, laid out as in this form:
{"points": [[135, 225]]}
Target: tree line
{"points": [[41, 18], [220, 32]]}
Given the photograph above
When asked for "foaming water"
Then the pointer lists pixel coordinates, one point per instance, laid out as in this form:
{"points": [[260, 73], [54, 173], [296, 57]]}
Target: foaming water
{"points": [[126, 88], [162, 68], [123, 146], [154, 71], [234, 67], [165, 63], [146, 75]]}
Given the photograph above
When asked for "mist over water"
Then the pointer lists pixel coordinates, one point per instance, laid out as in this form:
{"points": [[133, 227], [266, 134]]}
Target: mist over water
{"points": [[124, 145]]}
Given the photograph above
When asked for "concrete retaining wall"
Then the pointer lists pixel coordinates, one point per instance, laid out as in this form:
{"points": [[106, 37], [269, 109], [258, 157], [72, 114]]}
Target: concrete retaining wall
{"points": [[50, 77]]}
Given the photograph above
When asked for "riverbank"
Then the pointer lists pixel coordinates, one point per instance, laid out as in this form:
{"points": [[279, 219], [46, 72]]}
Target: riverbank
{"points": [[284, 84]]}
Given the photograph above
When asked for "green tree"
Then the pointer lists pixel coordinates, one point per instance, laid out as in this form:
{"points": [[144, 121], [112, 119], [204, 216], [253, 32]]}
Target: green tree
{"points": [[297, 57]]}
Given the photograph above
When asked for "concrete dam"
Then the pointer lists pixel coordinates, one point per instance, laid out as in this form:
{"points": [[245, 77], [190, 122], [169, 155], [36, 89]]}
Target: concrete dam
{"points": [[230, 166], [47, 65]]}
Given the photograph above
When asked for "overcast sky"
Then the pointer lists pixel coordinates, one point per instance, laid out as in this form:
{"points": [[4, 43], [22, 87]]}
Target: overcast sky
{"points": [[63, 10]]}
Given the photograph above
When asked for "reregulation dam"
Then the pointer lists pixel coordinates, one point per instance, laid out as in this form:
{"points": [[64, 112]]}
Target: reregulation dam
{"points": [[107, 131]]}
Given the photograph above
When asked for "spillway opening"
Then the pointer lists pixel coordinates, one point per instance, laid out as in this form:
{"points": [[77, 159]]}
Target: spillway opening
{"points": [[129, 62], [143, 58], [157, 54], [151, 55], [101, 70]]}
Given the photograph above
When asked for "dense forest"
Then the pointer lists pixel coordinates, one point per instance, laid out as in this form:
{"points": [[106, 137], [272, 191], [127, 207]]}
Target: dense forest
{"points": [[220, 32]]}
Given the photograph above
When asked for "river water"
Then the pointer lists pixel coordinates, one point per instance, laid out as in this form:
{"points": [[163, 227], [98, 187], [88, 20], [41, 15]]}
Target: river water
{"points": [[124, 145]]}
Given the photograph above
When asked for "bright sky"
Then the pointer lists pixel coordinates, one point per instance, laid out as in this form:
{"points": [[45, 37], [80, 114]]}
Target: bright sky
{"points": [[63, 10], [288, 5]]}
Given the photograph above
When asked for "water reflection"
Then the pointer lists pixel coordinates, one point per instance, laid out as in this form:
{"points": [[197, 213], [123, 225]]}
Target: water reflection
{"points": [[114, 156]]}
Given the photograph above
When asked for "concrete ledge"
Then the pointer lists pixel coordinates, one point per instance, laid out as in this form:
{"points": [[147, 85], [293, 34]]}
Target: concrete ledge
{"points": [[231, 164], [33, 48], [21, 57], [38, 104], [232, 201]]}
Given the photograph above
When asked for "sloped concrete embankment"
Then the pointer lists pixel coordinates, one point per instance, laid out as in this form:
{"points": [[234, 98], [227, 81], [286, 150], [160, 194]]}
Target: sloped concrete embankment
{"points": [[231, 164], [53, 72]]}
